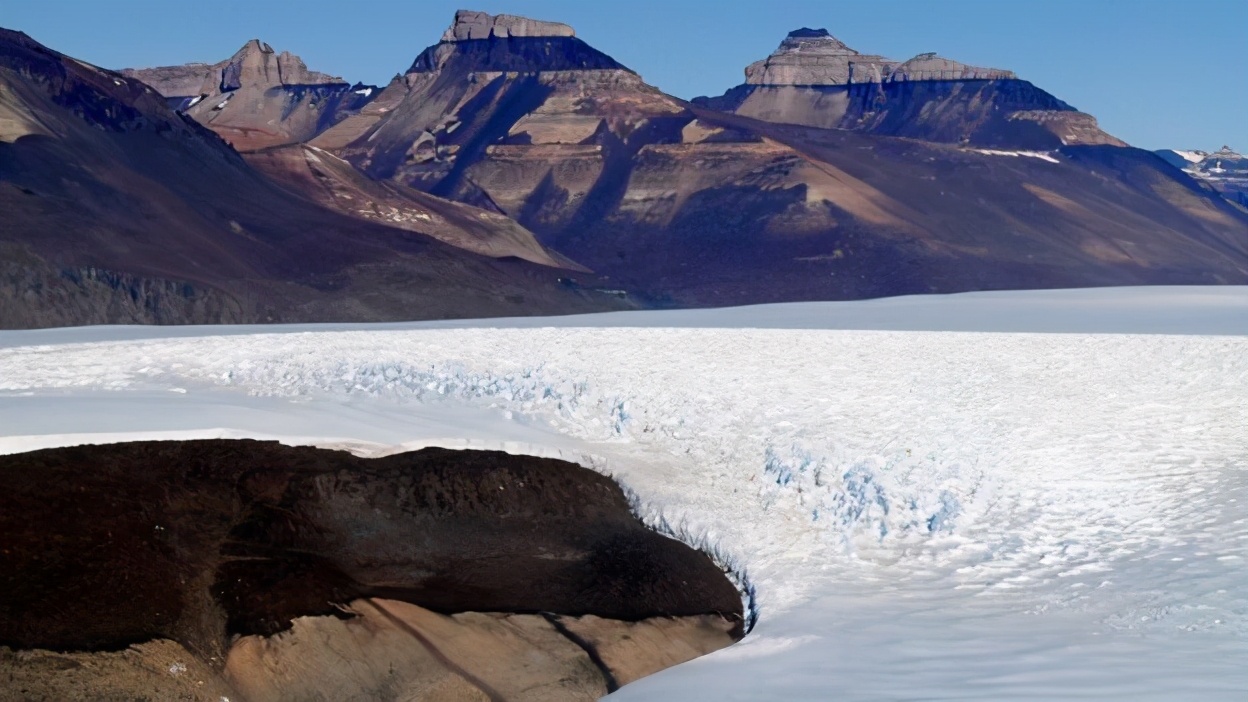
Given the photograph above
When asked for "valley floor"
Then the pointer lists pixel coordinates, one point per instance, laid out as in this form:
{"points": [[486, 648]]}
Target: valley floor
{"points": [[930, 499]]}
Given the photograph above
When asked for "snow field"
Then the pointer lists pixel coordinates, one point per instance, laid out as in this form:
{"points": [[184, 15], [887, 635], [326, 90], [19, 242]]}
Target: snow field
{"points": [[921, 514]]}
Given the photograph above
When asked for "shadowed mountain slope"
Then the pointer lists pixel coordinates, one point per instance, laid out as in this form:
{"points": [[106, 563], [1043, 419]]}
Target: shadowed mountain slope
{"points": [[118, 209]]}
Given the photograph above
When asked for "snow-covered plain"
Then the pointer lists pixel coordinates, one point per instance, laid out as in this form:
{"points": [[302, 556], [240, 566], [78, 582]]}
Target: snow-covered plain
{"points": [[921, 514]]}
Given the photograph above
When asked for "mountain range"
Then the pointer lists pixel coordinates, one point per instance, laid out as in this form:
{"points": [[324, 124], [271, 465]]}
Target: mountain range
{"points": [[514, 169], [1225, 170]]}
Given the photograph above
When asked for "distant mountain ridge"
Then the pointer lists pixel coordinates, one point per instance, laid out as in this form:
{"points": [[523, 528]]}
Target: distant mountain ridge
{"points": [[813, 79], [1225, 170], [835, 175], [257, 98], [608, 170]]}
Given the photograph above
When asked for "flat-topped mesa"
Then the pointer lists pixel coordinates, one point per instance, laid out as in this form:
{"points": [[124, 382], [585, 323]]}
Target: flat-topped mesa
{"points": [[929, 66], [815, 57], [470, 24], [477, 42]]}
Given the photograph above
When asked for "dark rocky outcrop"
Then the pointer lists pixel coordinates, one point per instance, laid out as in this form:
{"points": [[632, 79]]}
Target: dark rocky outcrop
{"points": [[815, 80], [201, 542]]}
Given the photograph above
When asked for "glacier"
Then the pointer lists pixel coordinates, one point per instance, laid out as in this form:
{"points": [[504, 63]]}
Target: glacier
{"points": [[1023, 495]]}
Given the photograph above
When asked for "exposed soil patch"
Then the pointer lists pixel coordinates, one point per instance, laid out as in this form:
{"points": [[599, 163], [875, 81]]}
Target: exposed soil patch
{"points": [[199, 541]]}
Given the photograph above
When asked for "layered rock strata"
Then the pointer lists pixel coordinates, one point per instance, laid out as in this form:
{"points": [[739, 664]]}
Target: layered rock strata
{"points": [[470, 25], [258, 97], [814, 79]]}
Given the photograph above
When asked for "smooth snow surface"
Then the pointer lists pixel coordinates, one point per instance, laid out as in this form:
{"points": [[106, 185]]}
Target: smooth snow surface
{"points": [[923, 515]]}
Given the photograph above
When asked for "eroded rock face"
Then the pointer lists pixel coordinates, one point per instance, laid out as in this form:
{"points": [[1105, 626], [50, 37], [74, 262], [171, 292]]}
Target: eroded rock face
{"points": [[929, 66], [810, 57], [815, 80], [815, 57], [200, 540], [470, 24], [258, 97]]}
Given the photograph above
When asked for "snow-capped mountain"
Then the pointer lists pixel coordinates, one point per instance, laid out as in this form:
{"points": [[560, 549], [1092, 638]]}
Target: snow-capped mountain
{"points": [[1225, 169]]}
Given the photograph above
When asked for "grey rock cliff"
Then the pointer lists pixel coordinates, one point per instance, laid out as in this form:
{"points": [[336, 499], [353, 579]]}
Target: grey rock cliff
{"points": [[815, 57], [929, 66], [470, 24]]}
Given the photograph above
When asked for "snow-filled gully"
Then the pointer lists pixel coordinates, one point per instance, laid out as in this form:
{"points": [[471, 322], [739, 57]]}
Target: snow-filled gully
{"points": [[981, 516]]}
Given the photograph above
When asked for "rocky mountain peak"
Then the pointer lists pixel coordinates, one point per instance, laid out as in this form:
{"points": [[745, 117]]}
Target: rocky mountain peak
{"points": [[258, 64], [534, 46], [930, 66], [815, 57], [818, 40], [470, 24]]}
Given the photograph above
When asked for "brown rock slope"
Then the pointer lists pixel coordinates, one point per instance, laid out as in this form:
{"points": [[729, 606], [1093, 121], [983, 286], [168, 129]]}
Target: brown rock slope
{"points": [[332, 182], [684, 205], [205, 554], [117, 209]]}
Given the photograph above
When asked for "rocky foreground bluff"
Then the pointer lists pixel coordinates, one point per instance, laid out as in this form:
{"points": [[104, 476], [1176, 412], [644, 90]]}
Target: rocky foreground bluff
{"points": [[205, 570]]}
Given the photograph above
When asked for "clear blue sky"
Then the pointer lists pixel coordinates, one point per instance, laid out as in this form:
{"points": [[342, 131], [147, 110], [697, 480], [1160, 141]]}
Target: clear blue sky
{"points": [[1157, 73]]}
